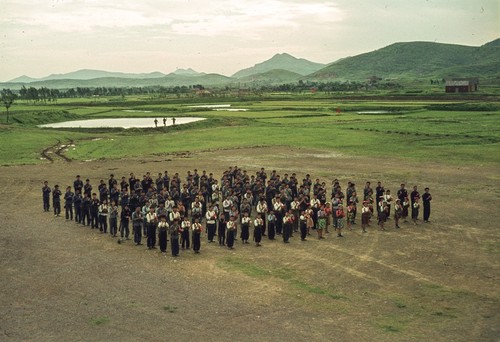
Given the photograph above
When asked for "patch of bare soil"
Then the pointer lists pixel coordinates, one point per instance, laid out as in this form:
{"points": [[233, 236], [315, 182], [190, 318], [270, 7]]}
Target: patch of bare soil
{"points": [[438, 281]]}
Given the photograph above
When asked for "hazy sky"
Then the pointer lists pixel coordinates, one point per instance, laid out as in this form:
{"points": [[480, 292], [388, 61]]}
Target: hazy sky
{"points": [[42, 37]]}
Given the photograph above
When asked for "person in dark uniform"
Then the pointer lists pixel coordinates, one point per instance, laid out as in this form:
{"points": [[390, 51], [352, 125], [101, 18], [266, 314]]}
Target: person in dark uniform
{"points": [[426, 200], [86, 201], [94, 211], [87, 188], [414, 194], [46, 190], [137, 221], [78, 184], [77, 203], [163, 230], [68, 203], [174, 237], [196, 228], [221, 232], [56, 200], [125, 217]]}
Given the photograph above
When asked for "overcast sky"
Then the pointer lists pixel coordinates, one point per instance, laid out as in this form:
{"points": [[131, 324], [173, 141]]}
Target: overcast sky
{"points": [[42, 37]]}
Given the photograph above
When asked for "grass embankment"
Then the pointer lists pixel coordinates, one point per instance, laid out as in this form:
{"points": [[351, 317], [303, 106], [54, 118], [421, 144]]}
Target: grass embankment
{"points": [[408, 129]]}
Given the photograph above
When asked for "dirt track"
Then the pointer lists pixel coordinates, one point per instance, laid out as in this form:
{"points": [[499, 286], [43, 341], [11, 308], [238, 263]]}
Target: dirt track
{"points": [[61, 281]]}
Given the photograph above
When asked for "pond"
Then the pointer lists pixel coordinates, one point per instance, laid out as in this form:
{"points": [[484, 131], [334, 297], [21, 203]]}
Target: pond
{"points": [[122, 123]]}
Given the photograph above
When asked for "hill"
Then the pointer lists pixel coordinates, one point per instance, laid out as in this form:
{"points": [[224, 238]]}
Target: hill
{"points": [[415, 60], [275, 76], [282, 61], [87, 74]]}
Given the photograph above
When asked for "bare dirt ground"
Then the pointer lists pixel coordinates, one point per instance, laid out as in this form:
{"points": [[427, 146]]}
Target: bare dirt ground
{"points": [[61, 281]]}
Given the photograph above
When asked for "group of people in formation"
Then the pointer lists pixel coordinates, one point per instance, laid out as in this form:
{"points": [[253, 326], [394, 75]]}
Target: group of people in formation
{"points": [[236, 206]]}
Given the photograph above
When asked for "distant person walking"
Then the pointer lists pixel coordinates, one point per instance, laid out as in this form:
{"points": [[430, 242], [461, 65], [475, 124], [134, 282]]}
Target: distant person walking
{"points": [[165, 122], [156, 122], [173, 121]]}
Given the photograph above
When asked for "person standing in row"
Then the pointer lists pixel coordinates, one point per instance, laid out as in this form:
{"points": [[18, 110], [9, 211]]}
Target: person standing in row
{"points": [[68, 203], [137, 221], [125, 216], [303, 225], [103, 216], [151, 221], [245, 228], [77, 203], [426, 200], [321, 222], [231, 228], [185, 227], [196, 235], [113, 219], [221, 232], [365, 216], [398, 210], [287, 226], [174, 237], [46, 190], [414, 210], [94, 211], [340, 220], [56, 200], [163, 230], [211, 217], [258, 223]]}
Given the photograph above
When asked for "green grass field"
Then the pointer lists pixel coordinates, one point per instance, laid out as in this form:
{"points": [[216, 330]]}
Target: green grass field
{"points": [[409, 129]]}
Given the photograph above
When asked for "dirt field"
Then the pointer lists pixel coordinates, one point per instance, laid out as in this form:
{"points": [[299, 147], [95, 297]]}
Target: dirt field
{"points": [[61, 281]]}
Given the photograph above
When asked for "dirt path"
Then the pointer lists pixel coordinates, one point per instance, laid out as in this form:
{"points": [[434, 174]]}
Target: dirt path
{"points": [[63, 281]]}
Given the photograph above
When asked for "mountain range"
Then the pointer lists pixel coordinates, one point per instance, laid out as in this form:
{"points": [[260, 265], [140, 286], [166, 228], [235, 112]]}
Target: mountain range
{"points": [[399, 61]]}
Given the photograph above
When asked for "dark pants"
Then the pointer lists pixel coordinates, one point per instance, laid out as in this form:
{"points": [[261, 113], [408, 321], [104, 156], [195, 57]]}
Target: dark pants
{"points": [[162, 238], [245, 232], [57, 208], [185, 239], [113, 226], [69, 211], [257, 234], [271, 231], [103, 223], [46, 203], [303, 229], [78, 214], [94, 219], [222, 235], [279, 223], [86, 217], [151, 230], [137, 233], [125, 231], [230, 238], [427, 211], [196, 241], [287, 231], [211, 231], [174, 245]]}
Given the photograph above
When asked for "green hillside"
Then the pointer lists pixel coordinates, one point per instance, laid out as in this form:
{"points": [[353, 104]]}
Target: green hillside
{"points": [[281, 61], [417, 60], [275, 76]]}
